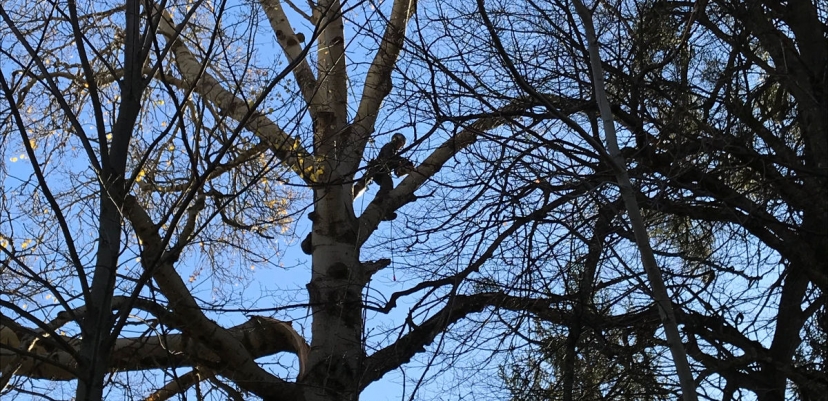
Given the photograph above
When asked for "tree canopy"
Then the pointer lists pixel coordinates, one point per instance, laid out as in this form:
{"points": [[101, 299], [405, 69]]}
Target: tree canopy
{"points": [[606, 200]]}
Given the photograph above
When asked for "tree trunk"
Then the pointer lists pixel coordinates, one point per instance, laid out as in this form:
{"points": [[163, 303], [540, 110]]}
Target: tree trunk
{"points": [[335, 293], [642, 239], [97, 324]]}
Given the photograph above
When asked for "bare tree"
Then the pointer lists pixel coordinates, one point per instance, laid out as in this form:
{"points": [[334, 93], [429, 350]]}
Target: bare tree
{"points": [[169, 147], [709, 150], [154, 138]]}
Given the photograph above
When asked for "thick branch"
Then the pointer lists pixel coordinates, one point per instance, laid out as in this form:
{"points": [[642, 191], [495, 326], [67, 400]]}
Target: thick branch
{"points": [[234, 361], [642, 239], [332, 78], [458, 307], [378, 81], [287, 148], [260, 336], [290, 43]]}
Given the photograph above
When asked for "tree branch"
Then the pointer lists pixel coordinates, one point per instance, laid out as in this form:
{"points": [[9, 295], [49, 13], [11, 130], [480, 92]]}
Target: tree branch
{"points": [[290, 43], [287, 148], [460, 306], [404, 193], [260, 336], [234, 361], [378, 82], [178, 385]]}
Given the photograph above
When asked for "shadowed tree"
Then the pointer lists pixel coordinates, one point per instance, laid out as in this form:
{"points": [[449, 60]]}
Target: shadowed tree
{"points": [[721, 108]]}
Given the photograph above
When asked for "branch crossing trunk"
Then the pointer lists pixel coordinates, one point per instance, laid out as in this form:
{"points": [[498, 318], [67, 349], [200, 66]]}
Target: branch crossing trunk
{"points": [[642, 238]]}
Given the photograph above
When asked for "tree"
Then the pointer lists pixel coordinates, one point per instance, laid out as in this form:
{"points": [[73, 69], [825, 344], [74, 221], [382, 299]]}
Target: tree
{"points": [[510, 229], [129, 160], [717, 100], [155, 117]]}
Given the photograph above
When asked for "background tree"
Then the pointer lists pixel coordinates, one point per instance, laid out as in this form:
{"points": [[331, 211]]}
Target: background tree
{"points": [[708, 156], [129, 168]]}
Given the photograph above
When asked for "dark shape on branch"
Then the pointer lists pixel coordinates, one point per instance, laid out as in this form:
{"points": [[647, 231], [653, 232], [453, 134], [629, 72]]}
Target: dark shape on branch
{"points": [[379, 170]]}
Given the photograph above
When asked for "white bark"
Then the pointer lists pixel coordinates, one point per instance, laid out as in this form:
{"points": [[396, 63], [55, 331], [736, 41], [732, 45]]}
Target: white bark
{"points": [[291, 45], [378, 82], [332, 78]]}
